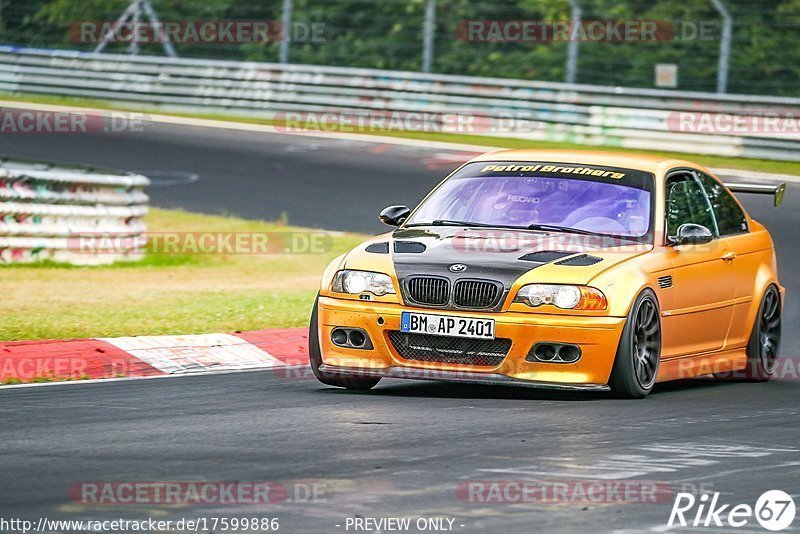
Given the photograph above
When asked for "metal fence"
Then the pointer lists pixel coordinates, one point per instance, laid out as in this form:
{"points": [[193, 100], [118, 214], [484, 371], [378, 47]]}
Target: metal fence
{"points": [[69, 214], [704, 123], [708, 45]]}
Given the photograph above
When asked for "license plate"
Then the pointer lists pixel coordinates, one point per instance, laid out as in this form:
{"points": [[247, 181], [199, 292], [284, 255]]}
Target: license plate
{"points": [[446, 325]]}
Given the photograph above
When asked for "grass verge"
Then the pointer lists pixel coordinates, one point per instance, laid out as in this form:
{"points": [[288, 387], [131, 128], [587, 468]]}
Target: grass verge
{"points": [[762, 165], [173, 293]]}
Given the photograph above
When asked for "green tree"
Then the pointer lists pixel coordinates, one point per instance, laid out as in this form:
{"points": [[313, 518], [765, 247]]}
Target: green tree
{"points": [[388, 34]]}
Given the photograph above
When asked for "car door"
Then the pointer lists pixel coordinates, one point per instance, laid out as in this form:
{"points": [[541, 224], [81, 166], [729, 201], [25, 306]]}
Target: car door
{"points": [[751, 254], [698, 309]]}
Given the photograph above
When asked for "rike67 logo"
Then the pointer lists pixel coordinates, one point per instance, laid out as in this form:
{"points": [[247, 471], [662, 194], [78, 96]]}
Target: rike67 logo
{"points": [[774, 510]]}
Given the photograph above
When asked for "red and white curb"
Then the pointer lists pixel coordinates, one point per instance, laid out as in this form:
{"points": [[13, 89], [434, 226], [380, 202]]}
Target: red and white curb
{"points": [[148, 356]]}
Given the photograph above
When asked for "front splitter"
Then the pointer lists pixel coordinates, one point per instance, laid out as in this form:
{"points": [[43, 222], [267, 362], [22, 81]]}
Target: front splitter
{"points": [[413, 373]]}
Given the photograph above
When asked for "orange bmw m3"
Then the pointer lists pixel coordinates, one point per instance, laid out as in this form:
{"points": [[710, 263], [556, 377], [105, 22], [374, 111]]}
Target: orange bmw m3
{"points": [[557, 269]]}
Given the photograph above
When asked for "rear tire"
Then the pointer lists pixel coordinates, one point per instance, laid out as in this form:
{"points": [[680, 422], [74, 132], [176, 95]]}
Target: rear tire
{"points": [[765, 339], [315, 357], [639, 354]]}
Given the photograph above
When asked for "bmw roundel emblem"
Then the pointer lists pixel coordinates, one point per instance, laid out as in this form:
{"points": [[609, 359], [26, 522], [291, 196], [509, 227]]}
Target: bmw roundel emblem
{"points": [[458, 267]]}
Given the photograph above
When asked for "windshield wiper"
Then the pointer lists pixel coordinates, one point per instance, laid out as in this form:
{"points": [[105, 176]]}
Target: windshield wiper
{"points": [[544, 227], [570, 230], [566, 229], [447, 222]]}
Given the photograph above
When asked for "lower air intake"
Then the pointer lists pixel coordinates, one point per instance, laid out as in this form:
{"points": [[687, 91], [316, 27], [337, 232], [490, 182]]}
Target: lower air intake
{"points": [[445, 349]]}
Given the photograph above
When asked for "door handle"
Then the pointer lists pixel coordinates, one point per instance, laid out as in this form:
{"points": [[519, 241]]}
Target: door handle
{"points": [[729, 256]]}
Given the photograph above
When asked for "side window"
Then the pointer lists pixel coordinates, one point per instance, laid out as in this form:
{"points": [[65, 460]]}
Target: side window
{"points": [[730, 217], [687, 203]]}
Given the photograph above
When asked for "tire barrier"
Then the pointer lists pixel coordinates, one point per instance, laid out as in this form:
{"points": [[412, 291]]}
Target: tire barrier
{"points": [[67, 214]]}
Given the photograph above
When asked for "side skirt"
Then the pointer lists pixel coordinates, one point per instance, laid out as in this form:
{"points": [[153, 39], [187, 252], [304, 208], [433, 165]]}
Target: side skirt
{"points": [[725, 361]]}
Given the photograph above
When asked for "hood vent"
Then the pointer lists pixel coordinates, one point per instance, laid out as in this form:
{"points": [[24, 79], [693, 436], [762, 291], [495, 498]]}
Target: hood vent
{"points": [[378, 248], [545, 256], [584, 260], [408, 247]]}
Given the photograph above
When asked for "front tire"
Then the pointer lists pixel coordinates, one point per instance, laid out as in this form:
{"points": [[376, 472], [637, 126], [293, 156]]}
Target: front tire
{"points": [[639, 354], [315, 357]]}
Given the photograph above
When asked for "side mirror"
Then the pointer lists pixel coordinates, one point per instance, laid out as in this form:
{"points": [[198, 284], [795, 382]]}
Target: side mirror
{"points": [[395, 215], [692, 234]]}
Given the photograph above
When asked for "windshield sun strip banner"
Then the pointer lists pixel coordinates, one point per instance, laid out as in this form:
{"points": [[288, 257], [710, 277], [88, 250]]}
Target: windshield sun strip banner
{"points": [[629, 177]]}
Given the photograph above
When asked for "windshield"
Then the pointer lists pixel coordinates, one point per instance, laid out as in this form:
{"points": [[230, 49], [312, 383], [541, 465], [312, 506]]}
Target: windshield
{"points": [[607, 205]]}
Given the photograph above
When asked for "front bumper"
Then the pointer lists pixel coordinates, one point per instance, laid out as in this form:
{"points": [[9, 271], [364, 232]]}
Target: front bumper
{"points": [[598, 338]]}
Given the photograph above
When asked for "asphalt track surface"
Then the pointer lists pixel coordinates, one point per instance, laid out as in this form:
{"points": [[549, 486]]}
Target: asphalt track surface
{"points": [[404, 448]]}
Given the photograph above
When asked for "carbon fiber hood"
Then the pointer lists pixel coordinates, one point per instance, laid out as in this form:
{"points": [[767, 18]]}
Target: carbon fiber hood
{"points": [[485, 254]]}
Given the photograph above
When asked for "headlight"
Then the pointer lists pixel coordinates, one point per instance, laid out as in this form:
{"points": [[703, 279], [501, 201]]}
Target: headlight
{"points": [[356, 282], [562, 296]]}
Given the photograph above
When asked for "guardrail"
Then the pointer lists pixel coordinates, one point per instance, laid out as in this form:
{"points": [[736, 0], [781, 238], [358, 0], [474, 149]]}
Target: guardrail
{"points": [[728, 125], [66, 214]]}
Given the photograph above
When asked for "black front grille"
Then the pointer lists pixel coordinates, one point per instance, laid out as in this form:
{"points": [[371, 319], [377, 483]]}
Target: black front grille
{"points": [[476, 294], [428, 290], [445, 349]]}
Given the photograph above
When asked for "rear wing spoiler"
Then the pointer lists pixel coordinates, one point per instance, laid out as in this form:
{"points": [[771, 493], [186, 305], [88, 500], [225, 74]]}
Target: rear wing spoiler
{"points": [[777, 191]]}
